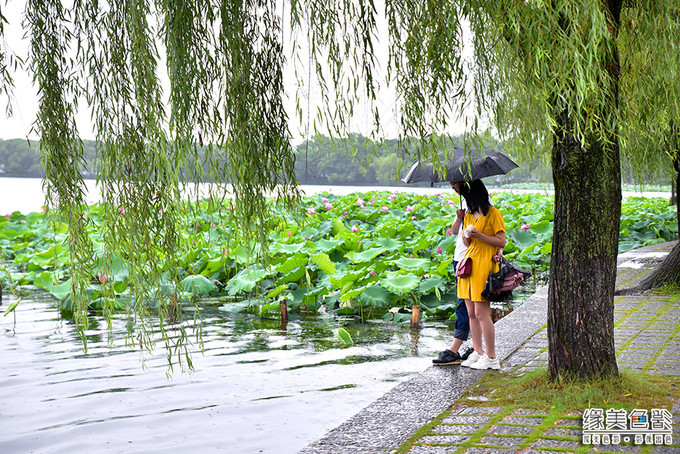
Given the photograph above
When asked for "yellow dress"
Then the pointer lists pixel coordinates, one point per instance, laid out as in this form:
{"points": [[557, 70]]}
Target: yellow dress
{"points": [[471, 287]]}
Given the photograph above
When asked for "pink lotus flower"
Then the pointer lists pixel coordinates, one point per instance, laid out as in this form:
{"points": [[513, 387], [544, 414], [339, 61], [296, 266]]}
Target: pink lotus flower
{"points": [[410, 256], [391, 197], [212, 224], [7, 216], [354, 228], [409, 208], [384, 209], [324, 200], [311, 211], [525, 227], [289, 233], [328, 206], [440, 250], [413, 218], [102, 278], [344, 213], [226, 251], [372, 273], [449, 232], [361, 202]]}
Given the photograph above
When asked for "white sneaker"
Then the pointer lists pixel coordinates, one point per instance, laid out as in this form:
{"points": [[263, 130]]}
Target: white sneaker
{"points": [[474, 356], [484, 362]]}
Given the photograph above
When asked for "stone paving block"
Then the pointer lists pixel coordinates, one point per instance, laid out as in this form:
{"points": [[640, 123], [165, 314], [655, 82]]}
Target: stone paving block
{"points": [[432, 449], [641, 359], [563, 432], [547, 443], [502, 429], [627, 449], [456, 428], [666, 450], [528, 412], [566, 422], [462, 419], [502, 441], [522, 420], [480, 450], [444, 439], [482, 410], [665, 371]]}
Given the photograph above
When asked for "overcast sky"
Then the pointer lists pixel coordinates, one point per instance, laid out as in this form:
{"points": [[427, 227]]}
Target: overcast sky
{"points": [[25, 102]]}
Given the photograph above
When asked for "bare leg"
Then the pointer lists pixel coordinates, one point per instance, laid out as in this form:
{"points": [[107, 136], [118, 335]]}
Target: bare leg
{"points": [[456, 345], [483, 315], [475, 327]]}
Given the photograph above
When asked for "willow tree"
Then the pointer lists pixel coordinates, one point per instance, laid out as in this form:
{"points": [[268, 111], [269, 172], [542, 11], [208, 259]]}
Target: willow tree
{"points": [[547, 75]]}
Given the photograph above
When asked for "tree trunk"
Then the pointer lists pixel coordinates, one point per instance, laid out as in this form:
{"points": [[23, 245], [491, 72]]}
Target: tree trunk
{"points": [[668, 272], [585, 244], [677, 188]]}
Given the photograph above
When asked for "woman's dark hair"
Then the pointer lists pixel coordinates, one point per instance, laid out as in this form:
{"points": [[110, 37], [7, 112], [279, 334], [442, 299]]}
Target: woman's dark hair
{"points": [[476, 196]]}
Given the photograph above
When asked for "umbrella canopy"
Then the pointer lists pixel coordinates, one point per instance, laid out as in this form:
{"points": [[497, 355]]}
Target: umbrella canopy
{"points": [[461, 166]]}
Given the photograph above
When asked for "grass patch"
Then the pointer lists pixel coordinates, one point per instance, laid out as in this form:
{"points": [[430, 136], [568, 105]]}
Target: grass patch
{"points": [[671, 289], [533, 390]]}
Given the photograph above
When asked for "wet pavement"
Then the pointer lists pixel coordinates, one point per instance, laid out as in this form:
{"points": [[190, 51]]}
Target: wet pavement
{"points": [[647, 338]]}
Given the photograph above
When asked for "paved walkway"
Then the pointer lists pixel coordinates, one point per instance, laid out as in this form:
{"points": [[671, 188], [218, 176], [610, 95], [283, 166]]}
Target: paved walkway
{"points": [[647, 338]]}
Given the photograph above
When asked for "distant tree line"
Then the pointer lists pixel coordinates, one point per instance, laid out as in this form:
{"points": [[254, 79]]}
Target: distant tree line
{"points": [[353, 161], [357, 161], [21, 158]]}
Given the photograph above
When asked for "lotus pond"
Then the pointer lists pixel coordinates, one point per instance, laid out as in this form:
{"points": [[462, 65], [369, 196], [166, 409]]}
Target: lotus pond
{"points": [[368, 255]]}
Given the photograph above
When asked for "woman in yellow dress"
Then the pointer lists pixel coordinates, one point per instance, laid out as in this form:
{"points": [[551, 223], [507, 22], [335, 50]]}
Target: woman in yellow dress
{"points": [[484, 235]]}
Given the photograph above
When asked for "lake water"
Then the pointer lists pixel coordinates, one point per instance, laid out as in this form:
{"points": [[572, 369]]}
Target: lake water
{"points": [[257, 387], [27, 195]]}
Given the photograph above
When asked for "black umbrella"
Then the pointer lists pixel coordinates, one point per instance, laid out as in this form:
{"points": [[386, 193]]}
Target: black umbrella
{"points": [[462, 165]]}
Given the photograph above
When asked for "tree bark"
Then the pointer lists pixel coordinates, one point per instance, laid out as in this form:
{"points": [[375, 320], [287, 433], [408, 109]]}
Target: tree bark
{"points": [[585, 246], [677, 187], [668, 272]]}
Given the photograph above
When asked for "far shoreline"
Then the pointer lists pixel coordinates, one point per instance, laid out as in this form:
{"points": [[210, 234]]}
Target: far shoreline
{"points": [[27, 194]]}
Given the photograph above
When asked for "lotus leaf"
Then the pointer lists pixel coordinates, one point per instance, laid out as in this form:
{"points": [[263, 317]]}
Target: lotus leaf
{"points": [[345, 337], [245, 280], [365, 256], [324, 263], [413, 264], [400, 284], [198, 284]]}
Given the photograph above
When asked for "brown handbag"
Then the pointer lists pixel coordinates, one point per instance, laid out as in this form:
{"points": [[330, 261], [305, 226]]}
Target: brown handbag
{"points": [[464, 268]]}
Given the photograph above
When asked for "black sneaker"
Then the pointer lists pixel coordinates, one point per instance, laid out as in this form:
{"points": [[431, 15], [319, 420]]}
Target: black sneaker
{"points": [[467, 353], [447, 358]]}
